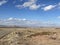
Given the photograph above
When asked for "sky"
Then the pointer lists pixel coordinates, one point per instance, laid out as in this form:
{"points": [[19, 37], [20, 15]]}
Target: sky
{"points": [[41, 11]]}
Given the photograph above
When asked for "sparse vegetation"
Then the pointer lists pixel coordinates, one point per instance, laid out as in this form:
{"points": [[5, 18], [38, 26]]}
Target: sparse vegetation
{"points": [[42, 33], [29, 36]]}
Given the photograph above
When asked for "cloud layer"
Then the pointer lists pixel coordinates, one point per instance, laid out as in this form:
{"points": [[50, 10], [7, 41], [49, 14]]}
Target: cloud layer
{"points": [[25, 22], [32, 5]]}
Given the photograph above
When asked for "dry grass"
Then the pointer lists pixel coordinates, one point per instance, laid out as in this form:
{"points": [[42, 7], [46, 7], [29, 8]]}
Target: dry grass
{"points": [[29, 36]]}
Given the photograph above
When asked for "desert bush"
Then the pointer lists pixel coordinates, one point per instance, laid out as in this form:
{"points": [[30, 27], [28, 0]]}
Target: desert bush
{"points": [[57, 28], [42, 33]]}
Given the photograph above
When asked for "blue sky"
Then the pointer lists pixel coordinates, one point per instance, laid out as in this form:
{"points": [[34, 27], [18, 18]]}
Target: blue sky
{"points": [[40, 10]]}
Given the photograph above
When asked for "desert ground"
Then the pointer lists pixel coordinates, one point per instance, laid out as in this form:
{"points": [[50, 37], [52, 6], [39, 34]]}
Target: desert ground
{"points": [[29, 36]]}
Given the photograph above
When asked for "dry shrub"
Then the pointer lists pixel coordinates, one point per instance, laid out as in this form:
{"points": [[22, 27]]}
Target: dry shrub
{"points": [[42, 33]]}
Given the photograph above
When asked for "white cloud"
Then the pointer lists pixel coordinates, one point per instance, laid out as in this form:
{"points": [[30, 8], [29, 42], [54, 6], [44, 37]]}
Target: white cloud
{"points": [[16, 19], [49, 7], [34, 7], [31, 4], [24, 19], [27, 4], [59, 3], [19, 6], [10, 18], [58, 17], [2, 2]]}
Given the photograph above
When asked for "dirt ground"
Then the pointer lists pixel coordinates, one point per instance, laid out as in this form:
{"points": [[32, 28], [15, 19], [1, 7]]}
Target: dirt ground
{"points": [[29, 36]]}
